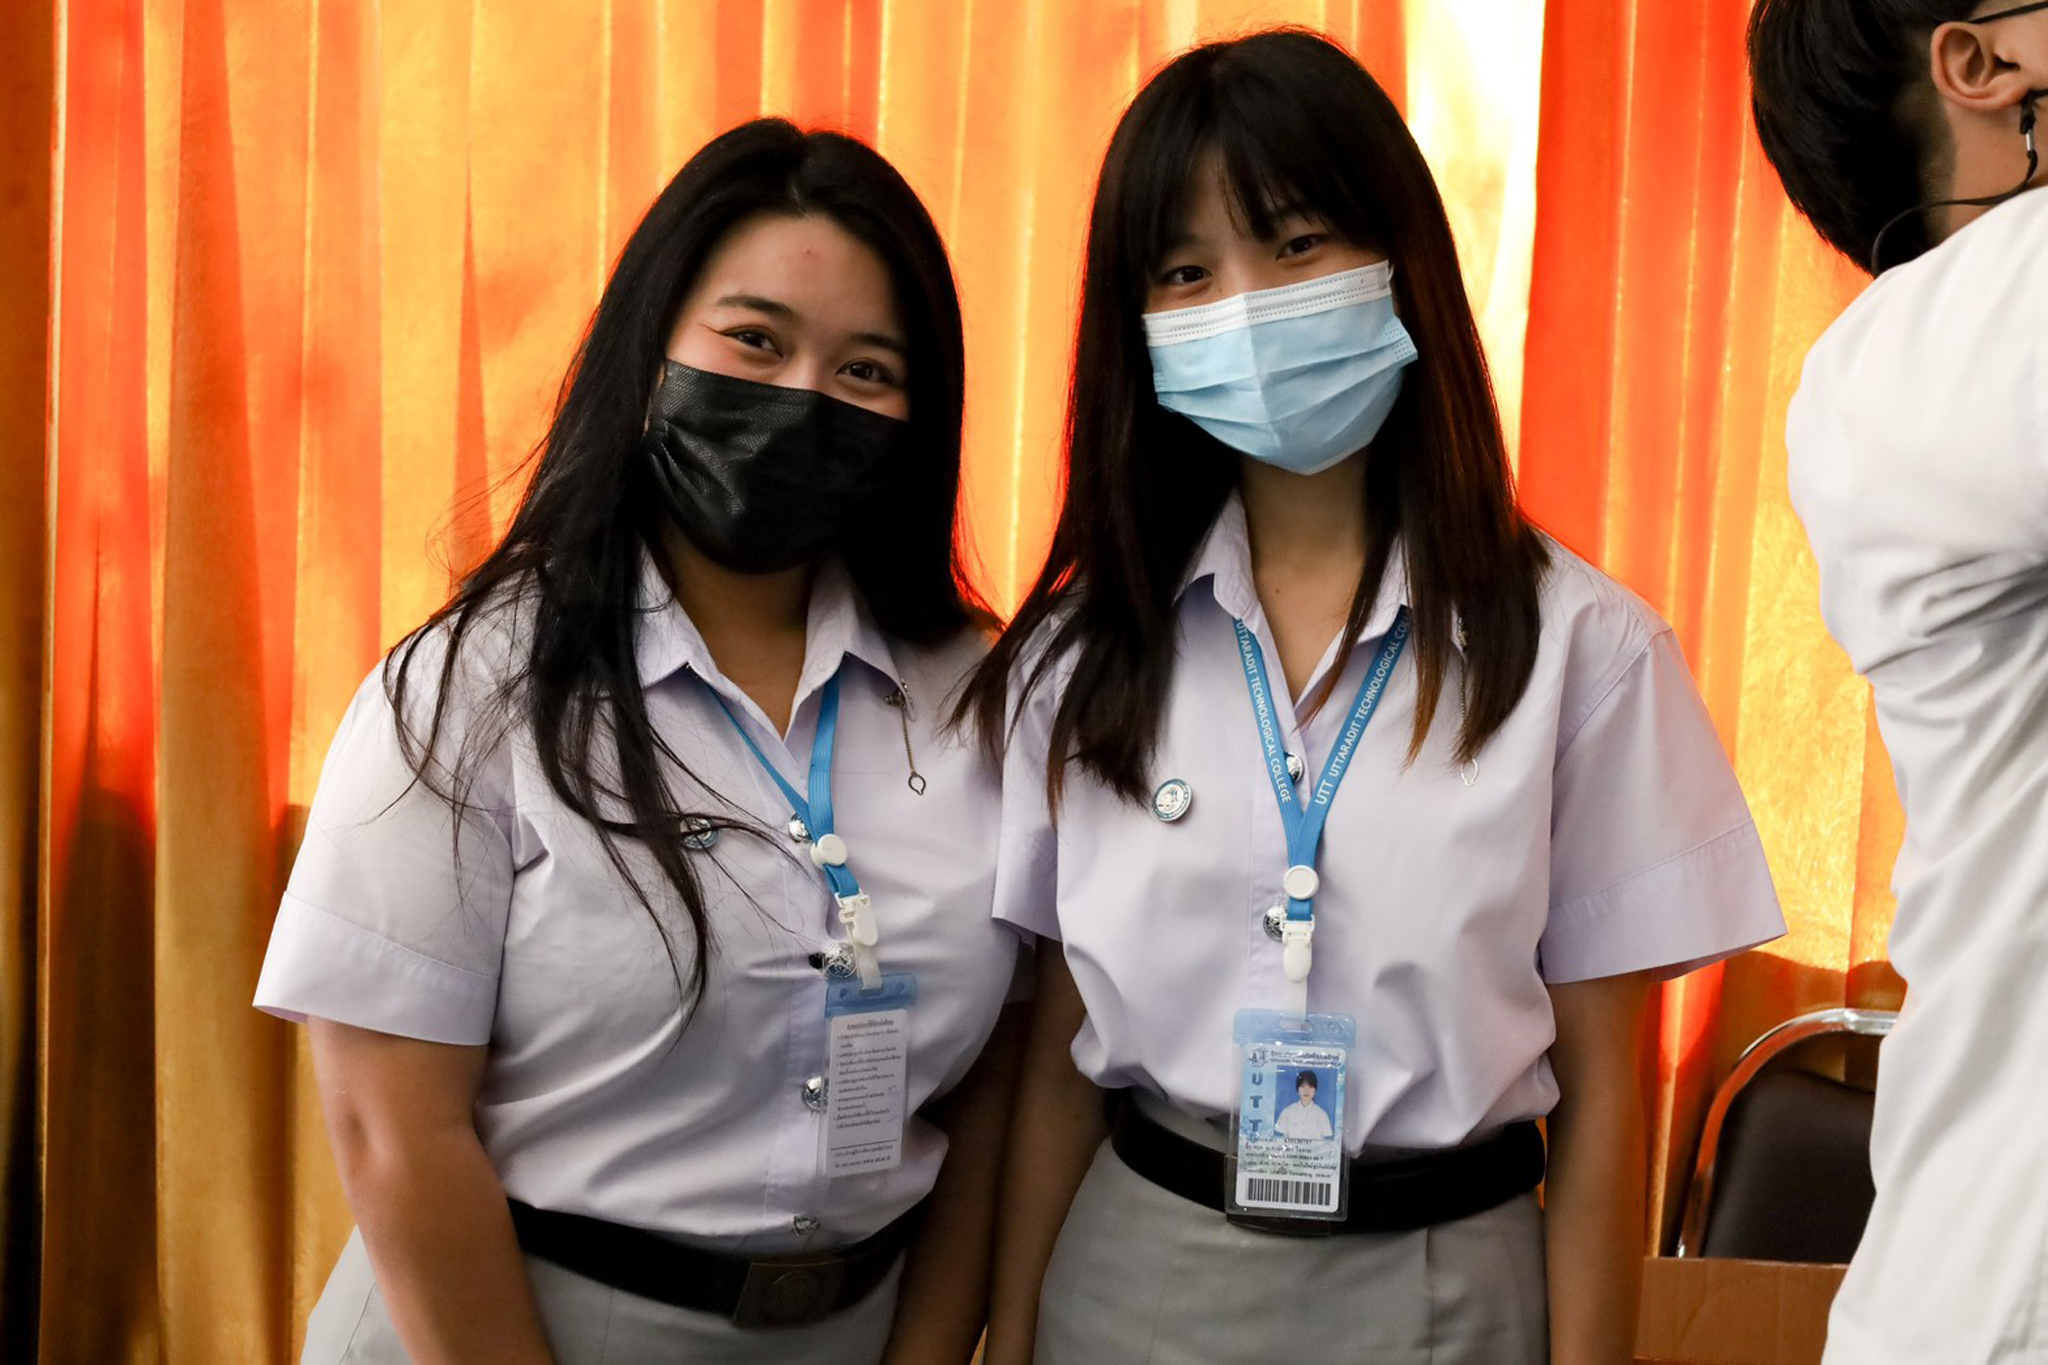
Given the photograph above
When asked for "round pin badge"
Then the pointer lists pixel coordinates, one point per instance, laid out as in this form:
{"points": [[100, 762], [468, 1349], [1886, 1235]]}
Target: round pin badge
{"points": [[699, 834], [1296, 769], [1276, 921], [1172, 799], [798, 830]]}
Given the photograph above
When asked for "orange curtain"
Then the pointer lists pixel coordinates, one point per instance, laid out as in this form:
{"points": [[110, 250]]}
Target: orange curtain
{"points": [[1674, 294], [290, 287]]}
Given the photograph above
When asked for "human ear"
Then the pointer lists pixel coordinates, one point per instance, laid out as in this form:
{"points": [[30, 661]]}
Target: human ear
{"points": [[1982, 69]]}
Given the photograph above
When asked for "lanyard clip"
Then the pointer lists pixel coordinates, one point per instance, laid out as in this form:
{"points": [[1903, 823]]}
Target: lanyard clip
{"points": [[857, 913], [1296, 937]]}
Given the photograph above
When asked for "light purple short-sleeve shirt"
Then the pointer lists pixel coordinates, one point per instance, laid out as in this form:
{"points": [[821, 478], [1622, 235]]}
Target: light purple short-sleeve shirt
{"points": [[1604, 833], [522, 936]]}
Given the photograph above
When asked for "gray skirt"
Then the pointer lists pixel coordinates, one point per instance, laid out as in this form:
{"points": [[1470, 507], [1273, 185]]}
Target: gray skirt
{"points": [[589, 1323], [1144, 1277]]}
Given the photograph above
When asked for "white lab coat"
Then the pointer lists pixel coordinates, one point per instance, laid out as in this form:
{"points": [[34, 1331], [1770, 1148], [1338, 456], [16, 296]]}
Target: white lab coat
{"points": [[1919, 464]]}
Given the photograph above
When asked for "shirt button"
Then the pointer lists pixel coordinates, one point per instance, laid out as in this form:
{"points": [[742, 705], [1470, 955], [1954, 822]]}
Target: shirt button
{"points": [[834, 960], [814, 1094], [1275, 920], [805, 1224]]}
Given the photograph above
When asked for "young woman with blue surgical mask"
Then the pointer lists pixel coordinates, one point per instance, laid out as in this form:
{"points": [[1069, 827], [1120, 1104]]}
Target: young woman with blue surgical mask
{"points": [[1321, 761]]}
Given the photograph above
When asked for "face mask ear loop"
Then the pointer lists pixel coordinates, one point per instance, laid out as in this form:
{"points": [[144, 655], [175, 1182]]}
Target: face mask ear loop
{"points": [[2028, 115]]}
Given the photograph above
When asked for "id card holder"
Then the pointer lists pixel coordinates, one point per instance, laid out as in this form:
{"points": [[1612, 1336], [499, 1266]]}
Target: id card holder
{"points": [[1286, 1159], [867, 1057]]}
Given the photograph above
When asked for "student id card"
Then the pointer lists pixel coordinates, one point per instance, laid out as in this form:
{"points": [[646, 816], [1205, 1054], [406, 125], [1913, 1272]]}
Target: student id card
{"points": [[1287, 1135], [867, 1056]]}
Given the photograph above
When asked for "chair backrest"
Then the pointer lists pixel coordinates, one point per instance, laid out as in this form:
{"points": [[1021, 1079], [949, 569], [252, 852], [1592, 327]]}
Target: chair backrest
{"points": [[1784, 1163]]}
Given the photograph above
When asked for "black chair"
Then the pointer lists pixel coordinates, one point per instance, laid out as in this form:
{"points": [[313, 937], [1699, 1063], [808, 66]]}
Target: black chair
{"points": [[1784, 1165]]}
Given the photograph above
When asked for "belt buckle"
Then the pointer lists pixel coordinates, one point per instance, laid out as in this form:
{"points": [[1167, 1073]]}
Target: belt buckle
{"points": [[1280, 1226], [789, 1293]]}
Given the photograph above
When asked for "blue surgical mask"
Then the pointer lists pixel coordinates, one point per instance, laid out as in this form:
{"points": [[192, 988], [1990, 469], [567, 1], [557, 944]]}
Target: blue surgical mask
{"points": [[1298, 377]]}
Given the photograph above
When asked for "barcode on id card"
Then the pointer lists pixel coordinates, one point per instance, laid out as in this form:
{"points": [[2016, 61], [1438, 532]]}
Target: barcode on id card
{"points": [[1314, 1194]]}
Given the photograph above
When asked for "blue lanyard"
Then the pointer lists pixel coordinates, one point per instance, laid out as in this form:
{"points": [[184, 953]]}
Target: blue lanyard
{"points": [[1305, 827], [816, 813]]}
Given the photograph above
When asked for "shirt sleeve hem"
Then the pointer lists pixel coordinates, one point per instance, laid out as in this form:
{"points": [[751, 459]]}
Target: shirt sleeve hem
{"points": [[322, 966], [1711, 902], [1033, 925]]}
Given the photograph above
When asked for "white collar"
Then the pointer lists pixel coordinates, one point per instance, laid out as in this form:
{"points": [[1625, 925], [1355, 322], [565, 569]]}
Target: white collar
{"points": [[837, 626], [1225, 559]]}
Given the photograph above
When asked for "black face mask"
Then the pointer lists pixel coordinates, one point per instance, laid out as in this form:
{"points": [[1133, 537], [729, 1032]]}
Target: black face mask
{"points": [[760, 477]]}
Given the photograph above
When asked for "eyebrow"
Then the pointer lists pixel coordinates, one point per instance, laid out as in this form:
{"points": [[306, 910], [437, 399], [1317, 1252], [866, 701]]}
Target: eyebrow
{"points": [[884, 342], [777, 309], [772, 307]]}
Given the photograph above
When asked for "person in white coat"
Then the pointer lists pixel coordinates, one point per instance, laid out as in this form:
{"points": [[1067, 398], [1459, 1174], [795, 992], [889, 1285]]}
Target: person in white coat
{"points": [[1904, 130], [642, 922]]}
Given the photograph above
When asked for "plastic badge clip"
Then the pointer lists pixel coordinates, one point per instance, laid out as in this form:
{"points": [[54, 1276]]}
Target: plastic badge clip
{"points": [[1296, 939], [857, 913]]}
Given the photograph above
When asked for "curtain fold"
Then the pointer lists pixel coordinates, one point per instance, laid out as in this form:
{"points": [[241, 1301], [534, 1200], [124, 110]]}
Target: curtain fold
{"points": [[1673, 295], [291, 289], [27, 75]]}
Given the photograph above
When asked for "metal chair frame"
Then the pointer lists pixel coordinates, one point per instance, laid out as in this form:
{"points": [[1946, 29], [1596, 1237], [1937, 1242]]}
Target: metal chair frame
{"points": [[1692, 1231]]}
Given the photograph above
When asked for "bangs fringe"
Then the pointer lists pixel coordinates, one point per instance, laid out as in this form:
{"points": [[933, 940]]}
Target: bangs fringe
{"points": [[1270, 141]]}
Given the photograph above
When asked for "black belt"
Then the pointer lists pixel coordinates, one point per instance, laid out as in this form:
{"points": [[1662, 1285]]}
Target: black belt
{"points": [[1388, 1196], [789, 1291]]}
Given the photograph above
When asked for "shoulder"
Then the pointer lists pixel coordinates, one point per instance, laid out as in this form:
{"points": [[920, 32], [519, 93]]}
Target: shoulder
{"points": [[1919, 309], [457, 668], [483, 643], [1038, 659], [1938, 356], [1584, 608], [1594, 631]]}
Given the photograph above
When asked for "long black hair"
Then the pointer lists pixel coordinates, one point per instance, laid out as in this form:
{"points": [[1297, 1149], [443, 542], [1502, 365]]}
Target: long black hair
{"points": [[1843, 104], [570, 562], [1292, 120]]}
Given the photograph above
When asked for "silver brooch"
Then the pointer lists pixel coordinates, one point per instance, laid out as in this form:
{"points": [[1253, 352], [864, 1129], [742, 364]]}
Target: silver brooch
{"points": [[1172, 799]]}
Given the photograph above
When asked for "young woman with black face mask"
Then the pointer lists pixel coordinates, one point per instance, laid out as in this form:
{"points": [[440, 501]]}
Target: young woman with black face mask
{"points": [[642, 920], [1363, 815]]}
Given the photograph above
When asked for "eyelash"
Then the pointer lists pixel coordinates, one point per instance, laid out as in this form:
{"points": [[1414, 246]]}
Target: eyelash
{"points": [[756, 339], [882, 373], [1180, 275]]}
